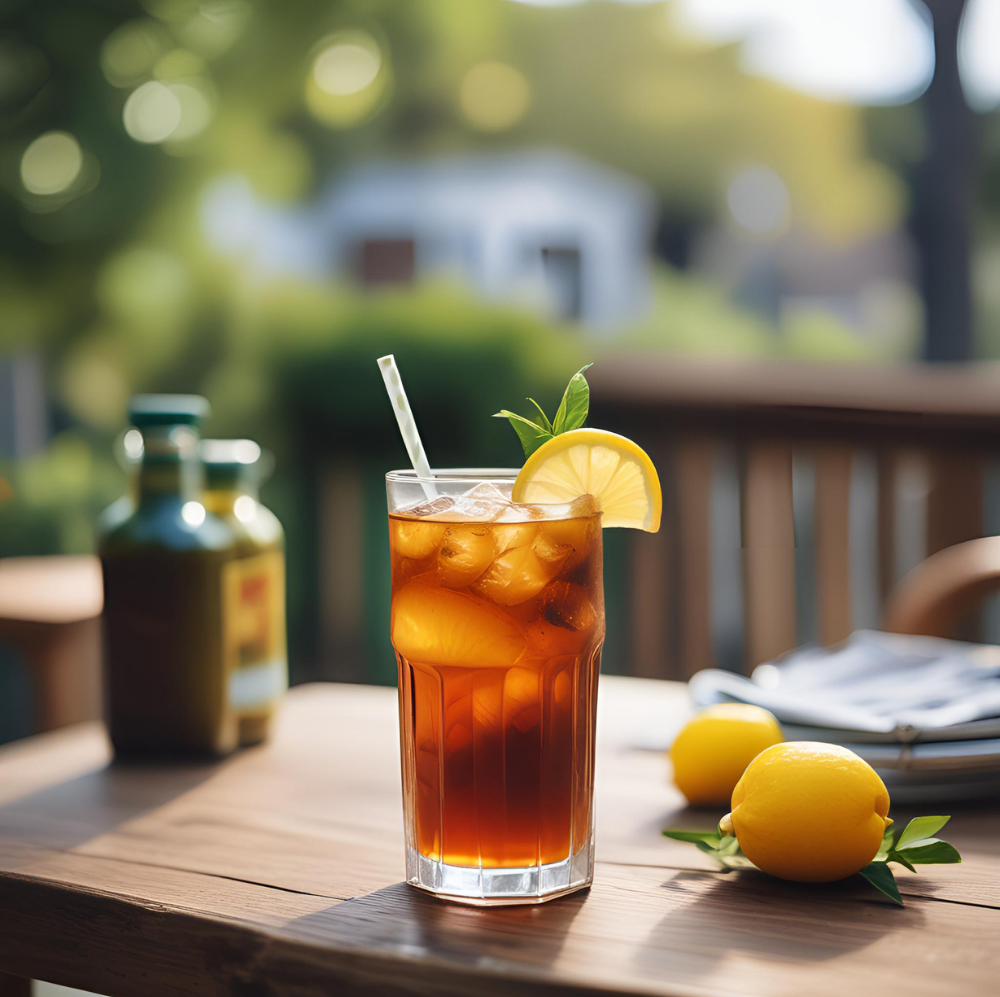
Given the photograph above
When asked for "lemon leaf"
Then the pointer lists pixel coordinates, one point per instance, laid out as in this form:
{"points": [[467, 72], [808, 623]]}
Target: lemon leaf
{"points": [[920, 828], [575, 404], [881, 877], [896, 857], [886, 846], [531, 435], [927, 851], [695, 836]]}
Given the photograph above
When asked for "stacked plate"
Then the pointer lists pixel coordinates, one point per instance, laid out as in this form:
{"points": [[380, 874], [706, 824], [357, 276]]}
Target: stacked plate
{"points": [[922, 711]]}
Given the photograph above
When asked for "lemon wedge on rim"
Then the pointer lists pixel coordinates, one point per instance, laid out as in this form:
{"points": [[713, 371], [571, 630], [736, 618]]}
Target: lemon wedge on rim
{"points": [[615, 471]]}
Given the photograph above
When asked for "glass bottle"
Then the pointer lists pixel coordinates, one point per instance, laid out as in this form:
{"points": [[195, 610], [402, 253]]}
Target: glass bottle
{"points": [[254, 585], [163, 564]]}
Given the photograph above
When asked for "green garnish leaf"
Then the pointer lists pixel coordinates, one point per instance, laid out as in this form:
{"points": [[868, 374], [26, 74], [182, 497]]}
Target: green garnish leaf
{"points": [[920, 828], [881, 877], [575, 404], [531, 435], [708, 848], [543, 419], [572, 414], [927, 851]]}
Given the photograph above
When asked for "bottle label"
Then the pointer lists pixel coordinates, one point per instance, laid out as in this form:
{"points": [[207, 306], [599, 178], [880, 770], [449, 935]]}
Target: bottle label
{"points": [[254, 613]]}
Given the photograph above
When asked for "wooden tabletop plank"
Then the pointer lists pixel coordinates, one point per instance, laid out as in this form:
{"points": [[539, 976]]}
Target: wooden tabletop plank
{"points": [[277, 872]]}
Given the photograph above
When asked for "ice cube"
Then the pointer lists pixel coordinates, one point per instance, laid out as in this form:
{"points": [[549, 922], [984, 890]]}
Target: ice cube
{"points": [[466, 551], [578, 535], [435, 507], [437, 626], [415, 538], [517, 575], [483, 503], [568, 607]]}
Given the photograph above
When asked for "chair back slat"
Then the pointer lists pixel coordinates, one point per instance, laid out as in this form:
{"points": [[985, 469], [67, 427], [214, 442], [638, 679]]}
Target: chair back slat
{"points": [[694, 471], [768, 528], [833, 542]]}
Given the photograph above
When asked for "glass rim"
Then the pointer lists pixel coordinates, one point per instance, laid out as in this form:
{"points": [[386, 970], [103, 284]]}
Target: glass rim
{"points": [[454, 475]]}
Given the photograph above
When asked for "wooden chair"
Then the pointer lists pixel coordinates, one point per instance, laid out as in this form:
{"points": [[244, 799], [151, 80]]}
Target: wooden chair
{"points": [[766, 422], [50, 612]]}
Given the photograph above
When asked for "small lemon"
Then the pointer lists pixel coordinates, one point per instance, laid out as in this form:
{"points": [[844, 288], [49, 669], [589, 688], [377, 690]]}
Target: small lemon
{"points": [[712, 750], [809, 811]]}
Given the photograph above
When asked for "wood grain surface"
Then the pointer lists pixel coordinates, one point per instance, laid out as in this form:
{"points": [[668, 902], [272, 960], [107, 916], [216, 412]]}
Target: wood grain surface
{"points": [[277, 873]]}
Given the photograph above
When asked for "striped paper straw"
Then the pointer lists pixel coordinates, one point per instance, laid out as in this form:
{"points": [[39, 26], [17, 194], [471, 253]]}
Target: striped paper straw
{"points": [[407, 424]]}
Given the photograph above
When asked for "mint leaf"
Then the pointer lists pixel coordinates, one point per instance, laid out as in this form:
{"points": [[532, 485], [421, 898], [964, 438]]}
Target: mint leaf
{"points": [[543, 418], [575, 404], [531, 435], [927, 851], [708, 836], [919, 828], [881, 877]]}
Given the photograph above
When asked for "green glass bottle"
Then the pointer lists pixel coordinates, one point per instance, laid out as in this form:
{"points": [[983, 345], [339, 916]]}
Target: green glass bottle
{"points": [[163, 566], [253, 584]]}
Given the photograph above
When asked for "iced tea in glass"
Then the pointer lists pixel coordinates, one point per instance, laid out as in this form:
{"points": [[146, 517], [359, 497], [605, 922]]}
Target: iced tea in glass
{"points": [[497, 623]]}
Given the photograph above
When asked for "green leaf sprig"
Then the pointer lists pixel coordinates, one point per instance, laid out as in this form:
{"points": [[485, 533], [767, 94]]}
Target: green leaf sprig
{"points": [[571, 414], [915, 846]]}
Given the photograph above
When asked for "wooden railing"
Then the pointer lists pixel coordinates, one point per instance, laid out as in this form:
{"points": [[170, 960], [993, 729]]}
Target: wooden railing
{"points": [[912, 443]]}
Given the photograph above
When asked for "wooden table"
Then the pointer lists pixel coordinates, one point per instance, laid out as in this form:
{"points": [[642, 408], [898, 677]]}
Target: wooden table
{"points": [[278, 873]]}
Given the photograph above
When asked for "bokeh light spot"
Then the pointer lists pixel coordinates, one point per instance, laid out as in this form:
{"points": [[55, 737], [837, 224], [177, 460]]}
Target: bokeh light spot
{"points": [[193, 513], [51, 163], [494, 96], [346, 68], [196, 111], [152, 113], [348, 77], [130, 52], [758, 200]]}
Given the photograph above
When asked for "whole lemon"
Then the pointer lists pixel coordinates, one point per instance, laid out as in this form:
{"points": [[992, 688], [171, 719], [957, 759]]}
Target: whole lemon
{"points": [[809, 811], [712, 749]]}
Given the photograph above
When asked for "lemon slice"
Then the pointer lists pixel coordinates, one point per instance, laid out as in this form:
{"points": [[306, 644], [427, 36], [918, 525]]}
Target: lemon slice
{"points": [[614, 470]]}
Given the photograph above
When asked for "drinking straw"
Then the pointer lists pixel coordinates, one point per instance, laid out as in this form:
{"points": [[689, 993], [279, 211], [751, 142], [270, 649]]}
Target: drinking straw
{"points": [[407, 424]]}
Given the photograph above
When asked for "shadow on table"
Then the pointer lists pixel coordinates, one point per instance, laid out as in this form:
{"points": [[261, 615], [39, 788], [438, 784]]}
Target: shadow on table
{"points": [[400, 920], [765, 919], [77, 810]]}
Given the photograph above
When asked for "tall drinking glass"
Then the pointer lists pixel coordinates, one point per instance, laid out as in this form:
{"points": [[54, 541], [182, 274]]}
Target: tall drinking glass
{"points": [[497, 623]]}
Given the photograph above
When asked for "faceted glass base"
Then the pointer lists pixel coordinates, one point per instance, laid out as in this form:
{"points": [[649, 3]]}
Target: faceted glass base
{"points": [[493, 887]]}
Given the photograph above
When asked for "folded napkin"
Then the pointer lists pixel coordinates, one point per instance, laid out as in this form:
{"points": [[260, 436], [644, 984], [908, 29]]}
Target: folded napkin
{"points": [[874, 687]]}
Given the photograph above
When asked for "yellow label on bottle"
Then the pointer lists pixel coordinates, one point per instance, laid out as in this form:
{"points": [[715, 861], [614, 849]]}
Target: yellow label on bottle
{"points": [[254, 628]]}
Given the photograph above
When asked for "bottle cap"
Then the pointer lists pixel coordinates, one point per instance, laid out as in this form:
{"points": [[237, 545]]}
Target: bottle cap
{"points": [[228, 462], [167, 410]]}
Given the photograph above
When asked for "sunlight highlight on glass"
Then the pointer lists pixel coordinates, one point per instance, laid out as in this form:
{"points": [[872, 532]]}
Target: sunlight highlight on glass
{"points": [[51, 163], [494, 96]]}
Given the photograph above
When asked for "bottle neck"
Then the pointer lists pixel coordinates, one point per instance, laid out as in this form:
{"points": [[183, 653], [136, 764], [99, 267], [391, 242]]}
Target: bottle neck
{"points": [[170, 468], [221, 499]]}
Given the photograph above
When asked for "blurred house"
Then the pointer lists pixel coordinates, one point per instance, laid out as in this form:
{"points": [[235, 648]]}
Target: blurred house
{"points": [[545, 228]]}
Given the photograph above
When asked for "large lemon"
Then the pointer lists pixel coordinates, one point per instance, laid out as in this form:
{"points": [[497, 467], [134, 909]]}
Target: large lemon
{"points": [[712, 750], [809, 811]]}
